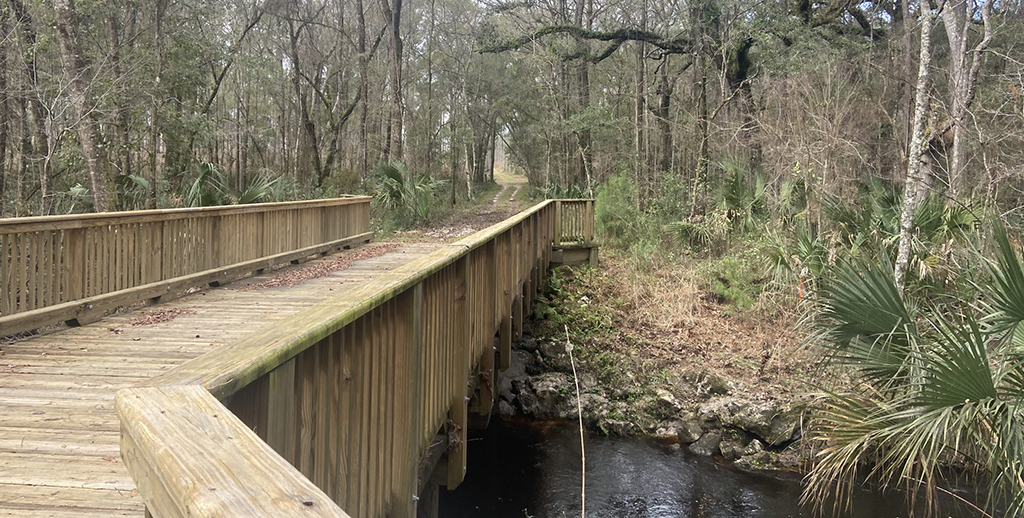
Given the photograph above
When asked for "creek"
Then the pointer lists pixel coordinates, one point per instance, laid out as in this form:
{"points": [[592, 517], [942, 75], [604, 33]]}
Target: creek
{"points": [[518, 469]]}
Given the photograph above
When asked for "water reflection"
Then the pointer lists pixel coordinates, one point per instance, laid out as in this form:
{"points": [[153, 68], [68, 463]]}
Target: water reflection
{"points": [[519, 469]]}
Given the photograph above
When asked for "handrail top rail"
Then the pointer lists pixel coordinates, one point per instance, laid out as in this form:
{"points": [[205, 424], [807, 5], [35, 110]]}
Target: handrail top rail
{"points": [[227, 369], [72, 221], [480, 237], [234, 473]]}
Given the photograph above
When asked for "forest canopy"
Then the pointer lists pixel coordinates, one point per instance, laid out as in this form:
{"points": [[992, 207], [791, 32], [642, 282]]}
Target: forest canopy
{"points": [[122, 105]]}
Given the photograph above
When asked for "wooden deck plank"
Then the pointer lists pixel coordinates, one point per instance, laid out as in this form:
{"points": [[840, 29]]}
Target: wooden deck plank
{"points": [[90, 502], [59, 449]]}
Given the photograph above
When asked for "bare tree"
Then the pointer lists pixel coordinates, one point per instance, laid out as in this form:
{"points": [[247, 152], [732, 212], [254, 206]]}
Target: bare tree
{"points": [[76, 67], [964, 65], [913, 186]]}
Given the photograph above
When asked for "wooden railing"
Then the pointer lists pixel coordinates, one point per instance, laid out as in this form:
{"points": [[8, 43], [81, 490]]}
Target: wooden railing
{"points": [[57, 268], [575, 222], [349, 393]]}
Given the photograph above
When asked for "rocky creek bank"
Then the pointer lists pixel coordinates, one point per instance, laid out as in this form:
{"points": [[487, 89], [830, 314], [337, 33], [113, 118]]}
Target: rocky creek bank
{"points": [[698, 410]]}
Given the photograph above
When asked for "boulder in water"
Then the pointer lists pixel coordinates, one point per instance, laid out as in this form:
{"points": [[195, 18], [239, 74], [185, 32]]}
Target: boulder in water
{"points": [[707, 445]]}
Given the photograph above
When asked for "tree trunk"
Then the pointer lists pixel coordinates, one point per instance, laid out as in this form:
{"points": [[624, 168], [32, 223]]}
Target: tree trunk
{"points": [[665, 88], [310, 148], [5, 115], [908, 84], [957, 17], [392, 10], [76, 68], [364, 83], [703, 131], [121, 131], [912, 187], [429, 126], [156, 104], [640, 109], [41, 146]]}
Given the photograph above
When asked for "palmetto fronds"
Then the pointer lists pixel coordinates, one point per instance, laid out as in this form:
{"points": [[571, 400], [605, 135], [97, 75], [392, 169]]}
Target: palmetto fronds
{"points": [[211, 188], [398, 190], [938, 384]]}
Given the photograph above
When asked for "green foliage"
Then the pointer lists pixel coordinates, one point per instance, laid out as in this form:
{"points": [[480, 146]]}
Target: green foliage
{"points": [[133, 191], [207, 189], [737, 279], [407, 199], [616, 215], [211, 188], [702, 233], [73, 200], [342, 181], [743, 195], [571, 192], [936, 383]]}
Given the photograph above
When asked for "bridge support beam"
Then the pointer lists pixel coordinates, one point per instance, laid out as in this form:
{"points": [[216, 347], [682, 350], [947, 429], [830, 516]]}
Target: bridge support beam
{"points": [[427, 506], [486, 374], [505, 340], [517, 315]]}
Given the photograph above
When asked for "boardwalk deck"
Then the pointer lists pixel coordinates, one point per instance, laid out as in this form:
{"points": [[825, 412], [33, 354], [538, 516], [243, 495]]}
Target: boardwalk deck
{"points": [[59, 433]]}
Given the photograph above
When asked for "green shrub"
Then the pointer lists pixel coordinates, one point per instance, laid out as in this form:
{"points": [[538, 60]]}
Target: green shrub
{"points": [[738, 279], [405, 199]]}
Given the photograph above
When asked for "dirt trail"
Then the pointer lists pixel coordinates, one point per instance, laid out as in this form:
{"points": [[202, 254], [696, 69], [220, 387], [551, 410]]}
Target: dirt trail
{"points": [[512, 198], [482, 216], [494, 202]]}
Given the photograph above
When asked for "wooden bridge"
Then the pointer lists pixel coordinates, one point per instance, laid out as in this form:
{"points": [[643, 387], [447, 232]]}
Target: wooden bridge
{"points": [[342, 386]]}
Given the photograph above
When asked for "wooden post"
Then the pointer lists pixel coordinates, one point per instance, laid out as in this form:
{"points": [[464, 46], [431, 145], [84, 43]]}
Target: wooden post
{"points": [[281, 410], [415, 423], [427, 506], [588, 223], [487, 376], [459, 412], [75, 263], [517, 314], [558, 222]]}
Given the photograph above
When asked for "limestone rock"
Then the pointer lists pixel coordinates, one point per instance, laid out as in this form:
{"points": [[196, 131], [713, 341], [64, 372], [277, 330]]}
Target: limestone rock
{"points": [[690, 431], [555, 355], [516, 371], [765, 419], [666, 405], [732, 448], [753, 448], [706, 383], [506, 409], [594, 408], [707, 445], [668, 429], [548, 390], [617, 427], [528, 343], [759, 460]]}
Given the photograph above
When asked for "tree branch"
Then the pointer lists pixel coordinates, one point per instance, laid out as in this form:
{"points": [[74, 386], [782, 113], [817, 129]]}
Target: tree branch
{"points": [[678, 45]]}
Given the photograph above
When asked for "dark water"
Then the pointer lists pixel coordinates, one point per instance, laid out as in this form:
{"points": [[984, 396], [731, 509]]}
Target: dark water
{"points": [[519, 469]]}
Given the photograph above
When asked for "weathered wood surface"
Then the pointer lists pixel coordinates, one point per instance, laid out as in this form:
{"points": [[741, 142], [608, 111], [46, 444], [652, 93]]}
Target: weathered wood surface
{"points": [[92, 308], [159, 438], [59, 432], [53, 260], [353, 390], [349, 379]]}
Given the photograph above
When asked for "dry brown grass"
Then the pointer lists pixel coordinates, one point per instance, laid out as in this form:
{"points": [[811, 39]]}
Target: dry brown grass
{"points": [[668, 316]]}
